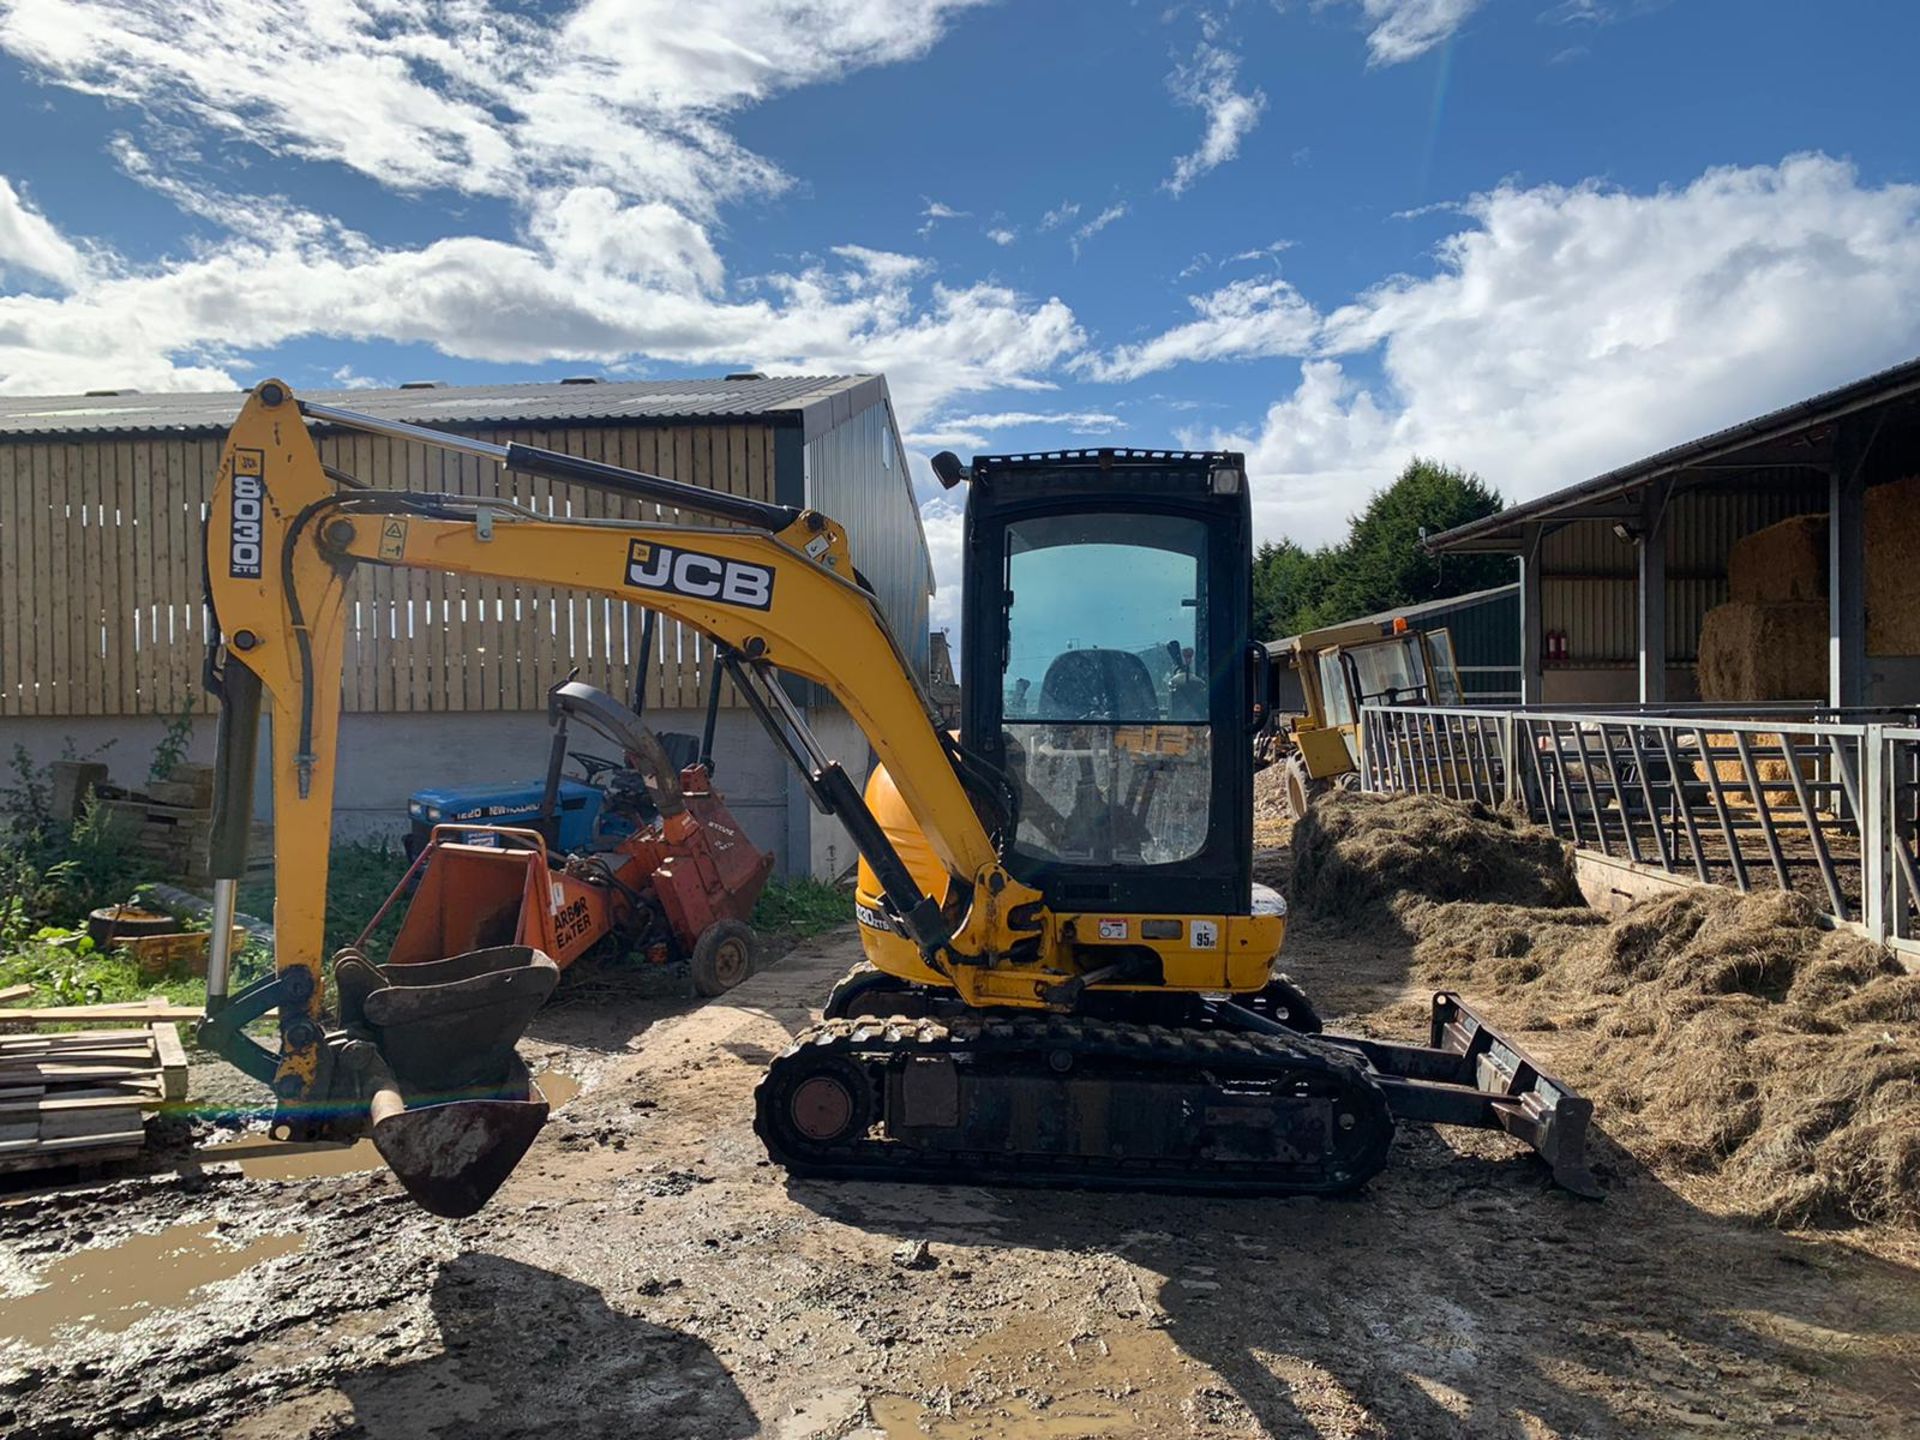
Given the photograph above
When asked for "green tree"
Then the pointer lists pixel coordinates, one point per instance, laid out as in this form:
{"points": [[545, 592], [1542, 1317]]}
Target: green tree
{"points": [[1288, 580], [1381, 563]]}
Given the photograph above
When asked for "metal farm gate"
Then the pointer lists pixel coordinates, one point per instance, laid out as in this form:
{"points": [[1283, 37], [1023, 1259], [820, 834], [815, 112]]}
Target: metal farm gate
{"points": [[1825, 803]]}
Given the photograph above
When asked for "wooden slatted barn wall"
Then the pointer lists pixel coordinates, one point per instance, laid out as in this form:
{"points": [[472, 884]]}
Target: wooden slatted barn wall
{"points": [[100, 576]]}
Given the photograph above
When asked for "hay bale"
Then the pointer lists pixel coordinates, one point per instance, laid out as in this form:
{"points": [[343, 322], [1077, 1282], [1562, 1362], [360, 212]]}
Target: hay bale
{"points": [[1893, 568], [1787, 561], [1768, 768], [1355, 855], [1750, 651]]}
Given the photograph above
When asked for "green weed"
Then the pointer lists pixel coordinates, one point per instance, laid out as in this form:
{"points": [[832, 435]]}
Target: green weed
{"points": [[801, 908], [360, 876]]}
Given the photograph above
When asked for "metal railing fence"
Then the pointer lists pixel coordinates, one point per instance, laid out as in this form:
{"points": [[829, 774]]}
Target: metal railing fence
{"points": [[1821, 802]]}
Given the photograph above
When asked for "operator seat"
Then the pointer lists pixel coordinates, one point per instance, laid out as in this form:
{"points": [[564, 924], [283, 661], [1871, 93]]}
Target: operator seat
{"points": [[1098, 685]]}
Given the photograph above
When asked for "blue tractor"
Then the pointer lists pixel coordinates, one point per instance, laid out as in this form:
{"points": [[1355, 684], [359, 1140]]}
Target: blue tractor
{"points": [[576, 816], [572, 811]]}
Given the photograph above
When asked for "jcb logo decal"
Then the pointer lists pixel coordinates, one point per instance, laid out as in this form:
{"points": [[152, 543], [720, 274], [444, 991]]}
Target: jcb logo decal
{"points": [[249, 509], [704, 577]]}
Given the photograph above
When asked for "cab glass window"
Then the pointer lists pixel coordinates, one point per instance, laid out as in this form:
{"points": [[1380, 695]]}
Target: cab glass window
{"points": [[1107, 685]]}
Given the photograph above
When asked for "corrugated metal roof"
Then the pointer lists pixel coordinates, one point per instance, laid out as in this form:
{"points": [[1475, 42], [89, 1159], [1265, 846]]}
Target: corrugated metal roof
{"points": [[1506, 530], [819, 400]]}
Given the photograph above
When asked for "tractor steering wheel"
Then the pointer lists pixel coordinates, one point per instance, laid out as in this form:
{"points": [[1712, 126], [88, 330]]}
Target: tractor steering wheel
{"points": [[593, 765]]}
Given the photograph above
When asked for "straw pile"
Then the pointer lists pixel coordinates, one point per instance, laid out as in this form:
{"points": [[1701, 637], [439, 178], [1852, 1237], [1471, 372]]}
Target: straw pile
{"points": [[1357, 856], [1734, 1039]]}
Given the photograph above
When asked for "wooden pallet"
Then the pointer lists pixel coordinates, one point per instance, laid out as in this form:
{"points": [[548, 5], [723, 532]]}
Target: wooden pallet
{"points": [[80, 1097]]}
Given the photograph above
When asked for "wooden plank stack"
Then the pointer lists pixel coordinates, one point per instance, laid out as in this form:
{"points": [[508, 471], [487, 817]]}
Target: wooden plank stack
{"points": [[80, 1097], [169, 823]]}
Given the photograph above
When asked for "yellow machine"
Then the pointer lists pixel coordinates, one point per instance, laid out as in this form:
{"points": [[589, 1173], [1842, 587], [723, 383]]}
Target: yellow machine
{"points": [[1331, 673], [1072, 975]]}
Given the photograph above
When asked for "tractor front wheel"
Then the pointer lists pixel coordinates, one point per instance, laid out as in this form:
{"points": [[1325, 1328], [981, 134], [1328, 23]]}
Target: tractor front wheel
{"points": [[1301, 788], [722, 957]]}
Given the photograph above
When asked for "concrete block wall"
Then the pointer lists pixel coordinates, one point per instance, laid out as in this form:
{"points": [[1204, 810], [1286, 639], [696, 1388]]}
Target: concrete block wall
{"points": [[385, 758]]}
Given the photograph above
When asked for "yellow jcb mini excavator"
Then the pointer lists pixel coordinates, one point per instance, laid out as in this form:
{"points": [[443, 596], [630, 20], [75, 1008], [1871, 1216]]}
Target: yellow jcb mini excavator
{"points": [[1072, 970]]}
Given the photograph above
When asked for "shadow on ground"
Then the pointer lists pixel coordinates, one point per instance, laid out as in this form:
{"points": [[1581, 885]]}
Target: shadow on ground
{"points": [[530, 1353], [1460, 1295]]}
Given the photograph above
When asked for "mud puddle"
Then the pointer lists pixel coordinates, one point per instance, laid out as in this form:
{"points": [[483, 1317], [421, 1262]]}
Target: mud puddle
{"points": [[1020, 1382], [110, 1287], [558, 1086], [902, 1419], [262, 1158]]}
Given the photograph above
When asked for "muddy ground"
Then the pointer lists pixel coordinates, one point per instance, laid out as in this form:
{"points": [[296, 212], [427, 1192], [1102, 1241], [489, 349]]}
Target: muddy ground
{"points": [[646, 1273]]}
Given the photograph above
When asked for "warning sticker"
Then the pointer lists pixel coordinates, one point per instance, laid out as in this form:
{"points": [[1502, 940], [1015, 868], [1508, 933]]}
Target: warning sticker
{"points": [[393, 539], [1113, 929]]}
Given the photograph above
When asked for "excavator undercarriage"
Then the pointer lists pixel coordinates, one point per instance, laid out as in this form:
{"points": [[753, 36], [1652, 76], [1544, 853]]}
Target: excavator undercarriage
{"points": [[1218, 1095]]}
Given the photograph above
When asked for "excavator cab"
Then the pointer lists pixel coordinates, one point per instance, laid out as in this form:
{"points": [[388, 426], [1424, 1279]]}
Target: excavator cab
{"points": [[1107, 673]]}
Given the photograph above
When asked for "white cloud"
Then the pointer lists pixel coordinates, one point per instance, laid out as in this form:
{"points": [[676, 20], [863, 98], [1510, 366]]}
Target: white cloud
{"points": [[1404, 29], [1094, 226], [969, 432], [29, 245], [586, 283], [1568, 330], [882, 267], [1248, 319], [589, 232], [1060, 215], [943, 518], [600, 125], [464, 95], [347, 378], [1208, 83], [935, 212], [1003, 235]]}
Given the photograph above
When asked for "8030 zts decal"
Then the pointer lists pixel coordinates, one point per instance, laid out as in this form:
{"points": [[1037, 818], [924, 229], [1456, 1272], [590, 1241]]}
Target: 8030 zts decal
{"points": [[705, 577], [249, 509]]}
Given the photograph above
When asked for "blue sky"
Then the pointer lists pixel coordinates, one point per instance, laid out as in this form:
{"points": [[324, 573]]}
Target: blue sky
{"points": [[1534, 237]]}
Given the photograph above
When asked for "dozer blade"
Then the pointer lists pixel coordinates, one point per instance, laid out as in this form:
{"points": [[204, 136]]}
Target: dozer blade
{"points": [[452, 1106], [1468, 1073]]}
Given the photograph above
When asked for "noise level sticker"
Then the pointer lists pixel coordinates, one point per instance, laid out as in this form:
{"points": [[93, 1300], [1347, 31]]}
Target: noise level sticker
{"points": [[1203, 934]]}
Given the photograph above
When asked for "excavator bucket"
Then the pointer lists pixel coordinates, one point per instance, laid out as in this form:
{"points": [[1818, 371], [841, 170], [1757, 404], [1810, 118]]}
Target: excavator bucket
{"points": [[452, 1106]]}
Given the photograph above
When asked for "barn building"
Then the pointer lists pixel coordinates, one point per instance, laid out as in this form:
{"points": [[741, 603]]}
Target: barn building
{"points": [[103, 631]]}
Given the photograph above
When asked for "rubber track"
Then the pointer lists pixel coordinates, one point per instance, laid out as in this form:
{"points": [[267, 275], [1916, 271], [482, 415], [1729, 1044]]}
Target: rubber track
{"points": [[1177, 1054]]}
